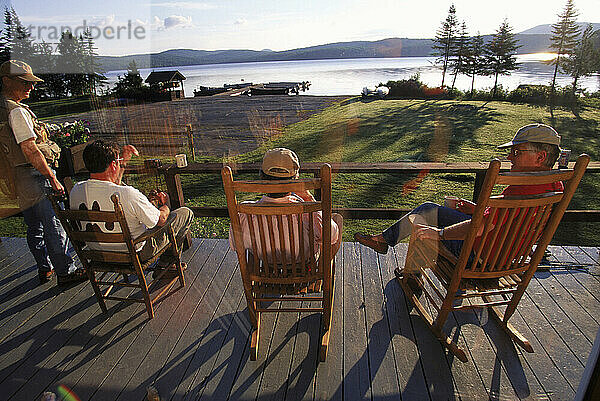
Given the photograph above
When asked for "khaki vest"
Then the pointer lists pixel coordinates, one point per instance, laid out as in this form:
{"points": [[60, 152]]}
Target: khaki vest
{"points": [[8, 144]]}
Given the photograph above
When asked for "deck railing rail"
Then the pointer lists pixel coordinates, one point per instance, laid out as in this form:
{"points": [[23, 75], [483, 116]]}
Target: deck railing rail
{"points": [[172, 175]]}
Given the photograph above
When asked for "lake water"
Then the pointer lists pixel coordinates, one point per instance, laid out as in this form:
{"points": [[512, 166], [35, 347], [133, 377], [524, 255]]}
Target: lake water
{"points": [[349, 76]]}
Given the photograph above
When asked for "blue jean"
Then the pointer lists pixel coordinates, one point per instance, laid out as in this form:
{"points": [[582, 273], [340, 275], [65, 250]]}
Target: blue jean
{"points": [[46, 238], [434, 215]]}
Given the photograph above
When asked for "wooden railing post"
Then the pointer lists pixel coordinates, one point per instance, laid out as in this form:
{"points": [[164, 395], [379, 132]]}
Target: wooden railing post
{"points": [[190, 136], [175, 191]]}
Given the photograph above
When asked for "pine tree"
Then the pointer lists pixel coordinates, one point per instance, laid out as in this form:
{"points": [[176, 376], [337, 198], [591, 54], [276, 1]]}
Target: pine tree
{"points": [[582, 61], [91, 67], [500, 53], [5, 38], [445, 40], [475, 63], [15, 42], [70, 63], [563, 39], [458, 64]]}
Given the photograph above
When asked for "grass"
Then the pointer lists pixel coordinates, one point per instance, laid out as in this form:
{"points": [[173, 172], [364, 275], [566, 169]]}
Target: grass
{"points": [[397, 130], [63, 107], [415, 130]]}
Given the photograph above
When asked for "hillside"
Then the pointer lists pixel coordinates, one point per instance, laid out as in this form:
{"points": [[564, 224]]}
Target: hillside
{"points": [[533, 40]]}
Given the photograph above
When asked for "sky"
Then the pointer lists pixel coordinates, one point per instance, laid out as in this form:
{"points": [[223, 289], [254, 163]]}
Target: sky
{"points": [[123, 27]]}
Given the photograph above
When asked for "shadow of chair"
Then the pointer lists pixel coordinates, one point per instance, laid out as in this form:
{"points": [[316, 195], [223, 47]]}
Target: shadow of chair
{"points": [[303, 267], [497, 259], [106, 268]]}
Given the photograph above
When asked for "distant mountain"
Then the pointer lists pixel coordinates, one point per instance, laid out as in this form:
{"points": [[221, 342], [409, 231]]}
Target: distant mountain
{"points": [[547, 28], [529, 40]]}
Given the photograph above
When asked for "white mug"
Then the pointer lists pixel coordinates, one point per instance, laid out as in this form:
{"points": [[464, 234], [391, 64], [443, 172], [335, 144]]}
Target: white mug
{"points": [[181, 160]]}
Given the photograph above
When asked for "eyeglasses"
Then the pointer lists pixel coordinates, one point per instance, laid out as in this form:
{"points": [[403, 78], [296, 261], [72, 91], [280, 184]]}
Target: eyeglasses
{"points": [[516, 152]]}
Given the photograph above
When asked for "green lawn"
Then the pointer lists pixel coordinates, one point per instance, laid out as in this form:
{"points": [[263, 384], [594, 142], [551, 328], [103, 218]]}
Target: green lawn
{"points": [[397, 130], [416, 130]]}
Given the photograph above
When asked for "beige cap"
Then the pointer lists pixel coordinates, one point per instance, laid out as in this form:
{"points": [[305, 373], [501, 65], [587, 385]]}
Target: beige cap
{"points": [[280, 162], [18, 69], [534, 133]]}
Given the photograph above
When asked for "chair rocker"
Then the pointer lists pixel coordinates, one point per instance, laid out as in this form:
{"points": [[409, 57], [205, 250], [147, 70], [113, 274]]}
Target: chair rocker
{"points": [[106, 268], [300, 269], [493, 269]]}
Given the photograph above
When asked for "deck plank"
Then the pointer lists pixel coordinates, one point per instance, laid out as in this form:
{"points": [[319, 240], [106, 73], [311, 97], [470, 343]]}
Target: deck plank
{"points": [[357, 378], [379, 351], [409, 368], [330, 374]]}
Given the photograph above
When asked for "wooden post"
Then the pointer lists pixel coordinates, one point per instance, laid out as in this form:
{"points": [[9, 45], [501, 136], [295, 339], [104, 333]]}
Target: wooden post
{"points": [[175, 191], [190, 136]]}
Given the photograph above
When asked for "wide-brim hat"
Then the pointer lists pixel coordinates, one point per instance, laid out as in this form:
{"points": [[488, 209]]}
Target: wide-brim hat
{"points": [[18, 69], [541, 133], [280, 162]]}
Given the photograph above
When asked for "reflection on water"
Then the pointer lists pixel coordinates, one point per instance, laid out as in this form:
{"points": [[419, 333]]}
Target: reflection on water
{"points": [[349, 76]]}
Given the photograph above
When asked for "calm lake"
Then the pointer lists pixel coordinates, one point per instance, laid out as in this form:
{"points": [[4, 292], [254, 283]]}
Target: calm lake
{"points": [[349, 76]]}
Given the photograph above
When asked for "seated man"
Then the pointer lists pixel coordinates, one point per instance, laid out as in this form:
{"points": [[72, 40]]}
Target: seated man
{"points": [[533, 148], [106, 165], [282, 164]]}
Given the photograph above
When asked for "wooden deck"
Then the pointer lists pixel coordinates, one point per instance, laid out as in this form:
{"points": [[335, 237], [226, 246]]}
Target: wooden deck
{"points": [[197, 345]]}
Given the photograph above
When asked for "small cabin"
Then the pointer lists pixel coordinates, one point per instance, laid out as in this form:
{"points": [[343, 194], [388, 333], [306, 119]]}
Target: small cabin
{"points": [[168, 84]]}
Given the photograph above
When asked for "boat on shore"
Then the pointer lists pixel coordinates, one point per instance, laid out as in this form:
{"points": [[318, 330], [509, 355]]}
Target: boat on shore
{"points": [[269, 91], [209, 90]]}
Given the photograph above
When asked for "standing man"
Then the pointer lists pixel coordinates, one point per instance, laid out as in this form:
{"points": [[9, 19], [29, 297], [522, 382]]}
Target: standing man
{"points": [[32, 156]]}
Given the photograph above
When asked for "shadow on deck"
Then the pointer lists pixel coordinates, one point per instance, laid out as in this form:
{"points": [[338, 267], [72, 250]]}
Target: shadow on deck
{"points": [[197, 345]]}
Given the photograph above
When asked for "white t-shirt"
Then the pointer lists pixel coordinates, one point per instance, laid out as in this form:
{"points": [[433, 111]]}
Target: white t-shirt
{"points": [[317, 227], [139, 212], [22, 124]]}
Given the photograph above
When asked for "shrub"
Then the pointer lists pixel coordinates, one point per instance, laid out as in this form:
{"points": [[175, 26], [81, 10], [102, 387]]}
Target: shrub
{"points": [[535, 94], [411, 88]]}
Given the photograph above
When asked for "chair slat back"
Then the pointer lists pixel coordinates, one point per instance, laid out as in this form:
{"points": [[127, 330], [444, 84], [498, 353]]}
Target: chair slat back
{"points": [[282, 235], [510, 226], [84, 227]]}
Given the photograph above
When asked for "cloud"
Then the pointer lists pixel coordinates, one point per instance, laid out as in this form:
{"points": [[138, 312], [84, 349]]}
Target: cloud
{"points": [[241, 21], [177, 21], [102, 21], [187, 5]]}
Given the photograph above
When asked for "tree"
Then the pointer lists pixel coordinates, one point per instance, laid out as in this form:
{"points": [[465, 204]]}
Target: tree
{"points": [[563, 40], [444, 41], [500, 53], [583, 59], [475, 62], [16, 42], [70, 63], [91, 67], [131, 85], [461, 52]]}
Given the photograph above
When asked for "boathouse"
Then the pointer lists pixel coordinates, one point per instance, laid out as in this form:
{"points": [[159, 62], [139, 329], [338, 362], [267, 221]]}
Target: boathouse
{"points": [[169, 84]]}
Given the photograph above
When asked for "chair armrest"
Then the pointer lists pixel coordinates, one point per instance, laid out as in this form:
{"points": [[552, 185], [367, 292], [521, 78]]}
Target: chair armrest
{"points": [[155, 231]]}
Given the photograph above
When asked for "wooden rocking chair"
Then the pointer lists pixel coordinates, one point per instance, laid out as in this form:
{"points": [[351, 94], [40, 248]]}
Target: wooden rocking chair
{"points": [[82, 227], [279, 275], [495, 268]]}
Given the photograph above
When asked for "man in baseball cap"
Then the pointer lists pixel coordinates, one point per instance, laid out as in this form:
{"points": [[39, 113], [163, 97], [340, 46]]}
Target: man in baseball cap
{"points": [[31, 157], [18, 69], [533, 148], [283, 164], [539, 133]]}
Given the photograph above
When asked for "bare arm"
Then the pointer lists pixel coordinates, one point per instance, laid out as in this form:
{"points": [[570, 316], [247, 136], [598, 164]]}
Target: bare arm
{"points": [[38, 161], [127, 152]]}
